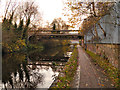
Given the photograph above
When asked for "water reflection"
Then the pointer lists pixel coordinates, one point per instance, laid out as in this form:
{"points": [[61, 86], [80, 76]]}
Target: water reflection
{"points": [[28, 71], [48, 76], [16, 73]]}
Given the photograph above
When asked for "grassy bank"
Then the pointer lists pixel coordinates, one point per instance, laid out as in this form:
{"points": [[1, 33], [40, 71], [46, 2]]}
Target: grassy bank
{"points": [[109, 70], [68, 72]]}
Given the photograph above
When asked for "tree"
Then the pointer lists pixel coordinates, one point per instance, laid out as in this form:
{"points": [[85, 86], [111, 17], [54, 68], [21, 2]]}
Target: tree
{"points": [[17, 20], [88, 13], [59, 24], [29, 11], [54, 27]]}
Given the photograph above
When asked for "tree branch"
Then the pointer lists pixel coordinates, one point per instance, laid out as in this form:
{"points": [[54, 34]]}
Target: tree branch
{"points": [[6, 10], [102, 29], [96, 31]]}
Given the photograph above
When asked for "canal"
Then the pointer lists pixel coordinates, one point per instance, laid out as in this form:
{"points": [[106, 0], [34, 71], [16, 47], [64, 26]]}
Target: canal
{"points": [[36, 68]]}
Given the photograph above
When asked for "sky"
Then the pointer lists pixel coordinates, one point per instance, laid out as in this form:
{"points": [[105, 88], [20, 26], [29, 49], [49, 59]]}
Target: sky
{"points": [[49, 9]]}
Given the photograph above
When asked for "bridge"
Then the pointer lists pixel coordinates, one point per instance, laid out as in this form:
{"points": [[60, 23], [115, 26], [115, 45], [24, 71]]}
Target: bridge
{"points": [[56, 34]]}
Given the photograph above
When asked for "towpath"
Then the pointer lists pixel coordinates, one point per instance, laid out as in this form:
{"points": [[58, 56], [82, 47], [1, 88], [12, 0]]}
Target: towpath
{"points": [[89, 75]]}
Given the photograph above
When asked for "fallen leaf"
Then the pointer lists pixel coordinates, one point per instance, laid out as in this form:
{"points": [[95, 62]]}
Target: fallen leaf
{"points": [[102, 84], [112, 85], [86, 84]]}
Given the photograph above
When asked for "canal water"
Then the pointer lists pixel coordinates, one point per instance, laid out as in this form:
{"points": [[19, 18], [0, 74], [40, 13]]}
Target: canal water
{"points": [[36, 69]]}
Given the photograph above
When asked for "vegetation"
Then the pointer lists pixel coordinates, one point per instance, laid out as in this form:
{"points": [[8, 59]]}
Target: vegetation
{"points": [[69, 72], [88, 13], [109, 70], [17, 20], [59, 24]]}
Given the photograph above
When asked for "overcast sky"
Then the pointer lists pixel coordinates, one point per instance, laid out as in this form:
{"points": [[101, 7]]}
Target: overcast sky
{"points": [[50, 9]]}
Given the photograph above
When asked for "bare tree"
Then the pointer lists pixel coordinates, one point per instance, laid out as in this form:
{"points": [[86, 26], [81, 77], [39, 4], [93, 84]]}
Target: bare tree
{"points": [[27, 13], [6, 10]]}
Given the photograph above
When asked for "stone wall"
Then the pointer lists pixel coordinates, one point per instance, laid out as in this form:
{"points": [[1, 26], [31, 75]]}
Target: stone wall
{"points": [[107, 51]]}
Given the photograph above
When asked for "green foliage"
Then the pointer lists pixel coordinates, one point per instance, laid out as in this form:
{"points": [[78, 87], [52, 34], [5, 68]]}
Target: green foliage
{"points": [[13, 47], [11, 38], [6, 25], [12, 41], [111, 71], [15, 36], [69, 71]]}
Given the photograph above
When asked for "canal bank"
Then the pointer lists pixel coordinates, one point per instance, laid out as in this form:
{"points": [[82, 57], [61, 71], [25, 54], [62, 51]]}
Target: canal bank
{"points": [[65, 77], [36, 69], [87, 74]]}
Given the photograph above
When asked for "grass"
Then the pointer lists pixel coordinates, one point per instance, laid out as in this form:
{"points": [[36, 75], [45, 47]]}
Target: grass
{"points": [[110, 70], [69, 72]]}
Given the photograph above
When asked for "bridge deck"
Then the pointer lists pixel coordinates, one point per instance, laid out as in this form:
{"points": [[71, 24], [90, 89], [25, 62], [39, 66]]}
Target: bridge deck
{"points": [[56, 30], [56, 34], [46, 34]]}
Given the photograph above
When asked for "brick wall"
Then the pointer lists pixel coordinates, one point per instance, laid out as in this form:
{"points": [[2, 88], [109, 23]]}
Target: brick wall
{"points": [[107, 51]]}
